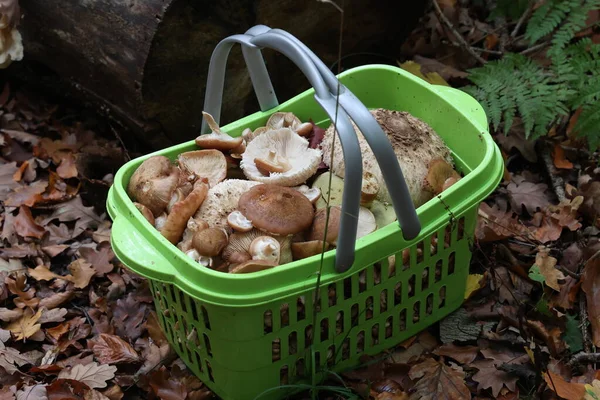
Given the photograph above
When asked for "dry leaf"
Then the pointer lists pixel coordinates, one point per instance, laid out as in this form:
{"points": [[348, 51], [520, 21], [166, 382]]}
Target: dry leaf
{"points": [[27, 195], [566, 390], [94, 395], [26, 326], [67, 168], [7, 315], [100, 259], [560, 161], [56, 299], [25, 225], [10, 358], [473, 284], [431, 77], [35, 392], [42, 273], [111, 349], [489, 376], [166, 387], [82, 273], [591, 287], [7, 183], [92, 374], [494, 223], [438, 381], [74, 210], [547, 266], [531, 195], [462, 354]]}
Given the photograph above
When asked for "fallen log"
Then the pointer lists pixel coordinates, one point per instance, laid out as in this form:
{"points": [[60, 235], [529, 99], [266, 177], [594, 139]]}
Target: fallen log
{"points": [[144, 63]]}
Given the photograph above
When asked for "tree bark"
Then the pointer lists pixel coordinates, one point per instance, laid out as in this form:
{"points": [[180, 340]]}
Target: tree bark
{"points": [[144, 62]]}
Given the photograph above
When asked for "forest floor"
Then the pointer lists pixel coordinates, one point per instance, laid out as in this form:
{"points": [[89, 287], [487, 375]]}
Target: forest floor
{"points": [[75, 323]]}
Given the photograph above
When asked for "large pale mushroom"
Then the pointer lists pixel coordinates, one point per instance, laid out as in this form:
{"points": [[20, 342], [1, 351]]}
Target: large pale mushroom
{"points": [[366, 224], [209, 164], [414, 142], [280, 157], [153, 183]]}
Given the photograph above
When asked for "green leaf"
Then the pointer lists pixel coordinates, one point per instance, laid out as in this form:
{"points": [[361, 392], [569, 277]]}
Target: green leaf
{"points": [[536, 275], [572, 335], [542, 306]]}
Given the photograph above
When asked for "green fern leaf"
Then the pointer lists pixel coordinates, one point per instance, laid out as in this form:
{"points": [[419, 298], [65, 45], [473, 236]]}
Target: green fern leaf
{"points": [[548, 17]]}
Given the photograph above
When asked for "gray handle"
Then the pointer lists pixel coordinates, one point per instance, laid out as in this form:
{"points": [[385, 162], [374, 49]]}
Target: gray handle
{"points": [[350, 145], [373, 134]]}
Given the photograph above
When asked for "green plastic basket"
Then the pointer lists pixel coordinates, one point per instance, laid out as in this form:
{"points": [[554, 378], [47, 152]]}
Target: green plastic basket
{"points": [[244, 335]]}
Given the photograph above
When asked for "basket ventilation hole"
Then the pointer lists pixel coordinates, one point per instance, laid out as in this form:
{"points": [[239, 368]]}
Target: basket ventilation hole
{"points": [[392, 265], [398, 293], [347, 288], [438, 271], [332, 295], [194, 311], [346, 349], [362, 281], [389, 326], [207, 344], [360, 342], [331, 356], [451, 263], [300, 367], [308, 335], [411, 286], [198, 360], [434, 244], [283, 375], [324, 329], [425, 279], [354, 315], [284, 311], [406, 259], [448, 236], [377, 273], [205, 317], [461, 228], [402, 320], [442, 294], [383, 300], [369, 307], [301, 314], [209, 370], [182, 302], [293, 342], [420, 251], [375, 335], [417, 311], [275, 350], [339, 323], [317, 360], [268, 321], [429, 304]]}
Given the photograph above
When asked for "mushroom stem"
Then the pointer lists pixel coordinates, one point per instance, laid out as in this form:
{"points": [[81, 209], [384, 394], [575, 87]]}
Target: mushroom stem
{"points": [[273, 163]]}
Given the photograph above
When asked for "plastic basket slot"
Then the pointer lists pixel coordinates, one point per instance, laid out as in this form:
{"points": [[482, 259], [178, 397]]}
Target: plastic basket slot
{"points": [[375, 335], [438, 270], [331, 356], [377, 272], [293, 342], [362, 281], [354, 315], [434, 244], [308, 336], [416, 312], [339, 323], [369, 308], [402, 320], [383, 300], [268, 321], [442, 297], [276, 350], [429, 304], [301, 309], [451, 263], [411, 286], [425, 278], [461, 228], [360, 342], [389, 327], [209, 370], [300, 367], [284, 312], [284, 375], [324, 329], [205, 317], [331, 295], [398, 293]]}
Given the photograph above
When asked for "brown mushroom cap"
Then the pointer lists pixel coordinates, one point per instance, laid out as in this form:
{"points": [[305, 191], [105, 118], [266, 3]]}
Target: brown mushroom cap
{"points": [[276, 209], [252, 266], [210, 242], [145, 212], [153, 182], [317, 231], [302, 250], [210, 164]]}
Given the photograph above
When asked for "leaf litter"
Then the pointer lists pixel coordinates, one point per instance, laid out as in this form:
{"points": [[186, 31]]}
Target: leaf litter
{"points": [[75, 323]]}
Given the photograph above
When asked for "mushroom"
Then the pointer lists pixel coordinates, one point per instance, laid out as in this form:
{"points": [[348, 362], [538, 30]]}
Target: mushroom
{"points": [[272, 163], [209, 164], [239, 222], [145, 212], [366, 224], [210, 242], [249, 136], [153, 182], [440, 176], [159, 222], [238, 249], [414, 142], [277, 210], [182, 211], [289, 149], [370, 188], [289, 120], [217, 139], [265, 248], [252, 266], [221, 200], [302, 250], [193, 226], [313, 194]]}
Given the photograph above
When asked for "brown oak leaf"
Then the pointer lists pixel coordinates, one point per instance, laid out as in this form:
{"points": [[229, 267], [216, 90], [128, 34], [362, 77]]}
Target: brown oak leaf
{"points": [[92, 374], [27, 195], [489, 376], [26, 326], [438, 381], [67, 168], [7, 183], [66, 389], [111, 349], [547, 267], [591, 287], [566, 390], [82, 273], [530, 195], [462, 354], [100, 258], [10, 358], [74, 210], [166, 387], [34, 392], [495, 223]]}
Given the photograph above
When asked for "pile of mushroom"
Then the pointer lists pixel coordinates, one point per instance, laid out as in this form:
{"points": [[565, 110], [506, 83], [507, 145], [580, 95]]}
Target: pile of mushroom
{"points": [[249, 203]]}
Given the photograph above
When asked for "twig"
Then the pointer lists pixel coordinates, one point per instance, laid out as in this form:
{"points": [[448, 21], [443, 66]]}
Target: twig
{"points": [[583, 317], [120, 140], [523, 18], [567, 271], [558, 184], [535, 48], [461, 40], [494, 52], [583, 358]]}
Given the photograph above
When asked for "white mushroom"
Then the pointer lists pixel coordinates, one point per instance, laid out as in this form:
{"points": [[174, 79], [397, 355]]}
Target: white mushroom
{"points": [[239, 222], [209, 164], [313, 194], [289, 120], [265, 248], [288, 148], [217, 139], [272, 163], [366, 224], [221, 200], [414, 142]]}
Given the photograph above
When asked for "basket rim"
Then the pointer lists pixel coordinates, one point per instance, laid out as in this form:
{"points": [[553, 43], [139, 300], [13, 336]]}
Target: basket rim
{"points": [[121, 209]]}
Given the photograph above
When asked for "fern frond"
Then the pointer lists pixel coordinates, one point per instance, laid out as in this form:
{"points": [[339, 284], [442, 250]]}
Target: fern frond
{"points": [[575, 21], [588, 125], [548, 17]]}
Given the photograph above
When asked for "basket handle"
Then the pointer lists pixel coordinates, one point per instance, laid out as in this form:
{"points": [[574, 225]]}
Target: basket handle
{"points": [[350, 146], [371, 130]]}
